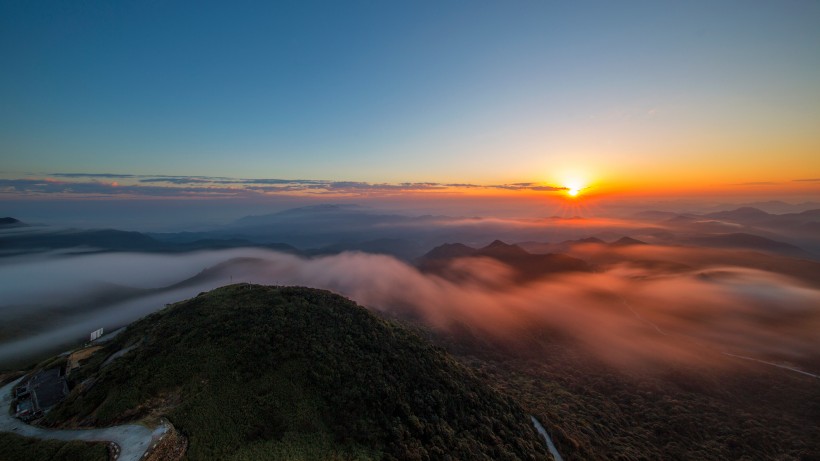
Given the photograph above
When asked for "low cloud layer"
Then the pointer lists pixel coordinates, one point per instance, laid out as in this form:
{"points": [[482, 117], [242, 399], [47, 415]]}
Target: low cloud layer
{"points": [[625, 313]]}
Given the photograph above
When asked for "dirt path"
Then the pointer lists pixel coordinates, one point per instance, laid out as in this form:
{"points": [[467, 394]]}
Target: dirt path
{"points": [[550, 445], [133, 440]]}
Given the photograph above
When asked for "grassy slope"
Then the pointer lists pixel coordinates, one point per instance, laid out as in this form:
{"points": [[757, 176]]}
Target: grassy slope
{"points": [[250, 372], [16, 448], [673, 412]]}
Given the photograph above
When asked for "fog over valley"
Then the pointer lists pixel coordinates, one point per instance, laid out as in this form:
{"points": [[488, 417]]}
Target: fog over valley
{"points": [[629, 304]]}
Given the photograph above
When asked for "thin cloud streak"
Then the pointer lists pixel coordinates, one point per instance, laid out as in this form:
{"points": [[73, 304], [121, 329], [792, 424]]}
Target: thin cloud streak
{"points": [[128, 185]]}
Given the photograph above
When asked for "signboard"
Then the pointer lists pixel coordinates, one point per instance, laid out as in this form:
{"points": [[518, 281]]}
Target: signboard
{"points": [[96, 334]]}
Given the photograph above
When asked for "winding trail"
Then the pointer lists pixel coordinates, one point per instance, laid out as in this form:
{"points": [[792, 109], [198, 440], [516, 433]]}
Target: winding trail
{"points": [[133, 440], [550, 445]]}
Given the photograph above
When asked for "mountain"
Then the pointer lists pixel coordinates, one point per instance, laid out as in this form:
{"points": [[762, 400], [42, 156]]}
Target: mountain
{"points": [[450, 250], [399, 248], [743, 214], [256, 372], [502, 251], [564, 247], [107, 239], [529, 266], [44, 239], [626, 241], [775, 206], [8, 222], [747, 241]]}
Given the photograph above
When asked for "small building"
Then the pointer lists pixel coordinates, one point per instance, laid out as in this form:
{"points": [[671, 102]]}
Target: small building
{"points": [[39, 393]]}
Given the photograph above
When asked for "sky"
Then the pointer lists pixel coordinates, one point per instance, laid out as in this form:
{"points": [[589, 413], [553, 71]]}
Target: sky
{"points": [[254, 99]]}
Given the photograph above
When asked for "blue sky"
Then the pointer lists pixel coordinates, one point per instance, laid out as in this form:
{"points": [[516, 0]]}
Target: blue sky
{"points": [[479, 92]]}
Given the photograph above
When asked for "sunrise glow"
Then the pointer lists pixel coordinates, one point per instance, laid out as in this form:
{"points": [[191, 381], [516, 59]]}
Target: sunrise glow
{"points": [[574, 187]]}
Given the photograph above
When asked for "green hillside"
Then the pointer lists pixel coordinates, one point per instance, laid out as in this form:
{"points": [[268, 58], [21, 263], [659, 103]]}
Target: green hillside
{"points": [[253, 372], [16, 448]]}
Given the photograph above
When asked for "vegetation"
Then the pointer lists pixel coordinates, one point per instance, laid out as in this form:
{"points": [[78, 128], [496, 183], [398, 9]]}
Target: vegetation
{"points": [[16, 448], [734, 410], [252, 372]]}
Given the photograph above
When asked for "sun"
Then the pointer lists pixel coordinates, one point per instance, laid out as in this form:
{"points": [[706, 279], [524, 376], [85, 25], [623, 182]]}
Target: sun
{"points": [[574, 188]]}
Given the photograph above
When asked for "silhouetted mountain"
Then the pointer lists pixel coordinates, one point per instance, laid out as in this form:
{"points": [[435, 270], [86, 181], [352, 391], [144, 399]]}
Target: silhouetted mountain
{"points": [[775, 206], [744, 214], [323, 211], [502, 251], [450, 250], [563, 247], [528, 265], [45, 239], [585, 241], [626, 241], [254, 372], [324, 229], [749, 241], [10, 222], [400, 248], [107, 239], [750, 220]]}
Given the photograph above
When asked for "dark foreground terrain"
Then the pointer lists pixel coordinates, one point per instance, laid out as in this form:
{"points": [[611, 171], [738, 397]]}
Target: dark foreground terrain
{"points": [[254, 372], [257, 372]]}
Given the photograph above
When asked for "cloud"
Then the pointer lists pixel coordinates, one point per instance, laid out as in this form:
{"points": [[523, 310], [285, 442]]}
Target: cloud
{"points": [[624, 313], [807, 180], [92, 175], [121, 185], [756, 183], [29, 187], [529, 186]]}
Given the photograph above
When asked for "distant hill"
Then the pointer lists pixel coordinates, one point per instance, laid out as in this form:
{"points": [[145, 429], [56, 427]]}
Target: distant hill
{"points": [[450, 250], [400, 248], [255, 372], [748, 241], [45, 238], [11, 222], [108, 239], [743, 214], [750, 220], [563, 247], [627, 241], [527, 265]]}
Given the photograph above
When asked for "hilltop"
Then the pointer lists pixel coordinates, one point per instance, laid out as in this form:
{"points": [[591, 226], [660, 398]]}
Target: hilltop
{"points": [[257, 372], [11, 222]]}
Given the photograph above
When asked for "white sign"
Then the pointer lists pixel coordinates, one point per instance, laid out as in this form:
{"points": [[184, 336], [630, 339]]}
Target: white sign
{"points": [[96, 334]]}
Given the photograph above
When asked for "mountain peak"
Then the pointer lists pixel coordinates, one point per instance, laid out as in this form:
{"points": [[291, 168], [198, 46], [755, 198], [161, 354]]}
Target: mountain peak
{"points": [[10, 222], [499, 248], [449, 250], [627, 241]]}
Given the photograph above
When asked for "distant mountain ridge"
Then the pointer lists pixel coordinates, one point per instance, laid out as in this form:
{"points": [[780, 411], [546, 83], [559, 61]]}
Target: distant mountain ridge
{"points": [[11, 222], [527, 265], [750, 241]]}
